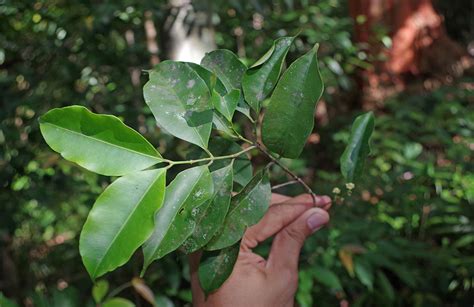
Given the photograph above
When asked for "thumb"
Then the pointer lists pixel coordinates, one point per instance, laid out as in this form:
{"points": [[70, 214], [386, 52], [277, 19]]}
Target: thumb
{"points": [[288, 242]]}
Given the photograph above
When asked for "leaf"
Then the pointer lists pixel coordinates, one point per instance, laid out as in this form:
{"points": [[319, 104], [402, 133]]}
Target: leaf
{"points": [[212, 213], [212, 82], [180, 101], [99, 143], [259, 80], [223, 125], [216, 266], [353, 159], [246, 209], [6, 302], [121, 220], [175, 222], [99, 290], [227, 66], [118, 302], [226, 104], [141, 288], [346, 258], [327, 278], [364, 273], [386, 286], [289, 119]]}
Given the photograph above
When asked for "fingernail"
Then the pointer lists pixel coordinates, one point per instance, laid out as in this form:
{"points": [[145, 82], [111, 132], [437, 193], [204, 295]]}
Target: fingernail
{"points": [[325, 199], [316, 221]]}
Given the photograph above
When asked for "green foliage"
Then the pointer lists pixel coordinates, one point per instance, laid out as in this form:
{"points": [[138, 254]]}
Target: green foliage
{"points": [[353, 159], [289, 118]]}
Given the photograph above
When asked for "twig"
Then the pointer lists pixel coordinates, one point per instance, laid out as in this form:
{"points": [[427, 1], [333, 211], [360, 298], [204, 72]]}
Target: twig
{"points": [[279, 186], [288, 171]]}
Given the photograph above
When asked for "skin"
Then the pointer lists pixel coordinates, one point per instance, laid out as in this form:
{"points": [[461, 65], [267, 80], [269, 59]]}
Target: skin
{"points": [[271, 282]]}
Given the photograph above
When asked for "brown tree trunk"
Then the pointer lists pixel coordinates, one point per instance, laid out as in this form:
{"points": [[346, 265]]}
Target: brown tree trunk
{"points": [[419, 47]]}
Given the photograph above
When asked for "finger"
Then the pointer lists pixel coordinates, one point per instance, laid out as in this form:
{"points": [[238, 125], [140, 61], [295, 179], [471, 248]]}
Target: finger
{"points": [[288, 242], [278, 198], [276, 218]]}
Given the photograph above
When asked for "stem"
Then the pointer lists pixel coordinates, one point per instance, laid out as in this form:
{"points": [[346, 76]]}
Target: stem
{"points": [[288, 171], [117, 290], [211, 158], [278, 186]]}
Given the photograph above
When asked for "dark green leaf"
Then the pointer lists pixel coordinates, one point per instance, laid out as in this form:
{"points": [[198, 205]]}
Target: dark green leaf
{"points": [[121, 220], [227, 66], [216, 266], [180, 101], [364, 273], [353, 158], [212, 82], [246, 209], [289, 118], [226, 104], [327, 278], [259, 80], [175, 222], [211, 214], [99, 143], [223, 125]]}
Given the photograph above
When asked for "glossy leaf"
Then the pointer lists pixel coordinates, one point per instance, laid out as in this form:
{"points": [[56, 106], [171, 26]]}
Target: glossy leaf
{"points": [[226, 104], [99, 290], [221, 124], [118, 302], [259, 80], [180, 101], [99, 143], [227, 66], [353, 159], [216, 266], [121, 220], [211, 214], [289, 119], [246, 209], [212, 82], [175, 222]]}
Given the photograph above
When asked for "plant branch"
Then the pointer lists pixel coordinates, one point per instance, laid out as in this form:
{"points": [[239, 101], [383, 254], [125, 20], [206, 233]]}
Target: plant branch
{"points": [[278, 186], [288, 171], [211, 158]]}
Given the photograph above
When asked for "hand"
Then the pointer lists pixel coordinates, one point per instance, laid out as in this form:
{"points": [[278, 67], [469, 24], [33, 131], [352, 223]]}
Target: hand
{"points": [[256, 282]]}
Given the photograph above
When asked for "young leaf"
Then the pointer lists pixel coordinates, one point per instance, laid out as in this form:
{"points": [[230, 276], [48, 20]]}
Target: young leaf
{"points": [[121, 220], [226, 104], [99, 290], [212, 82], [99, 143], [246, 209], [212, 213], [174, 223], [353, 159], [289, 118], [259, 80], [118, 302], [216, 266], [227, 66], [180, 101]]}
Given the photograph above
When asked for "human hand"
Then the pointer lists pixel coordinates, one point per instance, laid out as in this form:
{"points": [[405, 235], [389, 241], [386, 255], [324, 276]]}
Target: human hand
{"points": [[260, 282]]}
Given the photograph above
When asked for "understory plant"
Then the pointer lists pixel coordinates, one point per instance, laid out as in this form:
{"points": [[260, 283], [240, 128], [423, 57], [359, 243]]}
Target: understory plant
{"points": [[209, 205]]}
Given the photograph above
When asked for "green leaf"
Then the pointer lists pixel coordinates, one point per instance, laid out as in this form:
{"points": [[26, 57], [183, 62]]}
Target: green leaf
{"points": [[227, 66], [223, 125], [180, 101], [99, 290], [259, 80], [216, 266], [175, 222], [118, 302], [289, 119], [6, 302], [246, 209], [212, 213], [99, 143], [364, 273], [327, 278], [386, 286], [353, 159], [226, 104], [212, 82], [121, 220]]}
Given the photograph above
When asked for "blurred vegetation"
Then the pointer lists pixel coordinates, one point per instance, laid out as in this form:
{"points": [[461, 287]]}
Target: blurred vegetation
{"points": [[403, 237]]}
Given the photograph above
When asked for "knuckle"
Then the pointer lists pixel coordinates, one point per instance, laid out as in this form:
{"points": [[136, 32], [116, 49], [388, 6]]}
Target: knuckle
{"points": [[295, 235]]}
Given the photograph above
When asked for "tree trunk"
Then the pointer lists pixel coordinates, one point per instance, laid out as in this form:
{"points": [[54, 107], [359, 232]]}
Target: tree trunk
{"points": [[419, 47]]}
